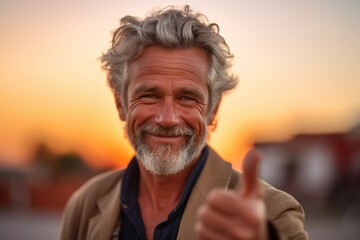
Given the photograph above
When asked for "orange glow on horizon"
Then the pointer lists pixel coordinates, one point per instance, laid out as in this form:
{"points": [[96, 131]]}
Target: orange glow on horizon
{"points": [[298, 66]]}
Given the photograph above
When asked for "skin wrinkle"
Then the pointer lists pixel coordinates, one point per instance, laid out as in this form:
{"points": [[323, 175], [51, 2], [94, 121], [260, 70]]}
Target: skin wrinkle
{"points": [[192, 92], [171, 71], [175, 65], [134, 105], [134, 99]]}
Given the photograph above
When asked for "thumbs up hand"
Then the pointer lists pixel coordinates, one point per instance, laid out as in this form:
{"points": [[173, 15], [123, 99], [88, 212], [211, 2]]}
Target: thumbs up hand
{"points": [[235, 214]]}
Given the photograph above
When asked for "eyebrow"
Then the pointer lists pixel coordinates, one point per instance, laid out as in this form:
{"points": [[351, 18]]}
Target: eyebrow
{"points": [[144, 88], [192, 92]]}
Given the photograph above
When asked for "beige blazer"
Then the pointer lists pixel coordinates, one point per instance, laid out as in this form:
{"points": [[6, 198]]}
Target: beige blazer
{"points": [[93, 211]]}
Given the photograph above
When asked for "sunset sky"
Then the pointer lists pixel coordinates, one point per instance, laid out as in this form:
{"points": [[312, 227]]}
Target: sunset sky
{"points": [[298, 63]]}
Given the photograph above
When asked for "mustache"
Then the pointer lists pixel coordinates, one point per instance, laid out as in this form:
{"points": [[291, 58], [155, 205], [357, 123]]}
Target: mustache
{"points": [[158, 130]]}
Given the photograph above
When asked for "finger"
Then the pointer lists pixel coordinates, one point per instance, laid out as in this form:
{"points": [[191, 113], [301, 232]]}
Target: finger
{"points": [[205, 233], [231, 206], [250, 175], [224, 202], [218, 226], [211, 219], [211, 225]]}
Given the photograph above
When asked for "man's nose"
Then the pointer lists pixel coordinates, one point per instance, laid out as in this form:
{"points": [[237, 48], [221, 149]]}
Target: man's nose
{"points": [[167, 115]]}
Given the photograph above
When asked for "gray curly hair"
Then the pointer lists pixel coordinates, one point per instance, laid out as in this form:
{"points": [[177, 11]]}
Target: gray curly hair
{"points": [[168, 28]]}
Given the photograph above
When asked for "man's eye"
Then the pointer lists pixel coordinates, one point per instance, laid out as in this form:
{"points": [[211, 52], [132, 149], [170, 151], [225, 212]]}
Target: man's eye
{"points": [[186, 98], [149, 96]]}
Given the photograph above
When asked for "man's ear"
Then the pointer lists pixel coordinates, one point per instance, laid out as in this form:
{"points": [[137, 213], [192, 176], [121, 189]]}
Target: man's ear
{"points": [[213, 114], [121, 109]]}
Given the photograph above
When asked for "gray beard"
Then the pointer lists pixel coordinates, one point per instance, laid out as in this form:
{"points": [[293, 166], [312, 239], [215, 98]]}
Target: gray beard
{"points": [[164, 159]]}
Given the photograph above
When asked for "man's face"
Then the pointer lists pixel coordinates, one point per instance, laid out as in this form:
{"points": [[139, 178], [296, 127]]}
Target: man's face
{"points": [[166, 119]]}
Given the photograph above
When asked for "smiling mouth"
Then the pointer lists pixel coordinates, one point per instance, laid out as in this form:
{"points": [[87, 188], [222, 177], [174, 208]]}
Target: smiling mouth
{"points": [[165, 138], [165, 135]]}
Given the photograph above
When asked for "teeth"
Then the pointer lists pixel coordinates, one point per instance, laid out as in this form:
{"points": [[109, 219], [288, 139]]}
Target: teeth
{"points": [[161, 135]]}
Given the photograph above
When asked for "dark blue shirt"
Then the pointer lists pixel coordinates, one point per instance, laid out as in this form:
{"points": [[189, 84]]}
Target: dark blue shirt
{"points": [[132, 226]]}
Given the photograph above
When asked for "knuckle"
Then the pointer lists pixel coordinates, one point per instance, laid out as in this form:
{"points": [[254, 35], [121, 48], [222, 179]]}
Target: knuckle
{"points": [[201, 212], [214, 195]]}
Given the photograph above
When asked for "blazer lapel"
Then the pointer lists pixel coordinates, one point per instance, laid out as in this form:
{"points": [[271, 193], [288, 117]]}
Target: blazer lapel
{"points": [[102, 226], [216, 174]]}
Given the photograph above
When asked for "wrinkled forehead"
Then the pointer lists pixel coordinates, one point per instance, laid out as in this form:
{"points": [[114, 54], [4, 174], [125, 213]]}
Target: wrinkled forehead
{"points": [[189, 62]]}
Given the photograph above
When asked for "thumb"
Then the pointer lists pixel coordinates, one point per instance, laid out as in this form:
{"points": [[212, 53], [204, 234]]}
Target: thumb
{"points": [[250, 175]]}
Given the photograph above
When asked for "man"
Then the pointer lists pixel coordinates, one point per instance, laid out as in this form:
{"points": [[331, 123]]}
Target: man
{"points": [[168, 73]]}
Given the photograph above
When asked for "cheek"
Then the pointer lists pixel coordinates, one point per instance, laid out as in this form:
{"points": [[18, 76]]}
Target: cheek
{"points": [[137, 115], [196, 120]]}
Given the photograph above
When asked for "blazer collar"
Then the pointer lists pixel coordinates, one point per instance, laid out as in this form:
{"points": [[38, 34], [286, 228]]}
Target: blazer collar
{"points": [[216, 174], [102, 226]]}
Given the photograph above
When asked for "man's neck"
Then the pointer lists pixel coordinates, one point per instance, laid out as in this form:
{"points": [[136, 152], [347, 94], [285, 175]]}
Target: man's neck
{"points": [[159, 195], [161, 191]]}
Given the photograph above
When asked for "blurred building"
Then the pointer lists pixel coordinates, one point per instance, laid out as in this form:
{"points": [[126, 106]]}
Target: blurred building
{"points": [[323, 167], [46, 184]]}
